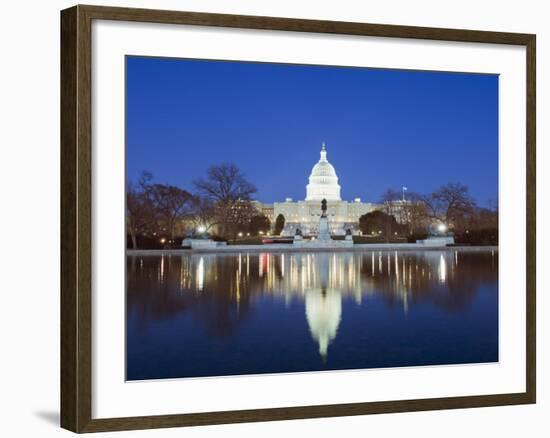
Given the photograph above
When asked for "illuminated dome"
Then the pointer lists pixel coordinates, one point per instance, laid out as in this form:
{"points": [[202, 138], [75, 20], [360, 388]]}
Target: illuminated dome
{"points": [[323, 182], [323, 313]]}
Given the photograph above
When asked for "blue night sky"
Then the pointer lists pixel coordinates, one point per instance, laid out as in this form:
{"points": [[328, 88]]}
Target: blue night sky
{"points": [[383, 128]]}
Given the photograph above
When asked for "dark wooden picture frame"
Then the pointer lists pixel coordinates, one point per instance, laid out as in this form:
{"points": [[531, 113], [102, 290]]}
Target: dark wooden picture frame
{"points": [[76, 236]]}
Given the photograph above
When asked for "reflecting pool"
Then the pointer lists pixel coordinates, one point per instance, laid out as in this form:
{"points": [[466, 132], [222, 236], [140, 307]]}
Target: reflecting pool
{"points": [[226, 314]]}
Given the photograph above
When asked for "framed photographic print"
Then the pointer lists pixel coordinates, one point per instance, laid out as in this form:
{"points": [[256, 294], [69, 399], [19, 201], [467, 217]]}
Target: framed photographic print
{"points": [[271, 218]]}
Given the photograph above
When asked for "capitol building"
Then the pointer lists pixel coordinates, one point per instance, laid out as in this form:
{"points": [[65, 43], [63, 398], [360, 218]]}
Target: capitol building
{"points": [[304, 215]]}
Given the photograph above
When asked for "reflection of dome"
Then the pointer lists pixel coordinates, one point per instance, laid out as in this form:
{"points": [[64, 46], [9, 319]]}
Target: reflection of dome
{"points": [[323, 182], [323, 312]]}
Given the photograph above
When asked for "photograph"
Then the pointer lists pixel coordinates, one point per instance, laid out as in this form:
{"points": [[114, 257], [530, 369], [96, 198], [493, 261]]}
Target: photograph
{"points": [[288, 218], [267, 219]]}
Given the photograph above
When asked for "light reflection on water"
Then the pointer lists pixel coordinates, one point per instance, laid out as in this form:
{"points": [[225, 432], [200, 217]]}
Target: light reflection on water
{"points": [[226, 301]]}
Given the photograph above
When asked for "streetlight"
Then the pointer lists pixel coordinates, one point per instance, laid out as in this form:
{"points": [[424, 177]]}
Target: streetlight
{"points": [[240, 234], [442, 228], [201, 229], [162, 240]]}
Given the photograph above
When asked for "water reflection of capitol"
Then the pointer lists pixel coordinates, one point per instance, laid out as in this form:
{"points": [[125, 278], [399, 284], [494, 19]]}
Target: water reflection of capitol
{"points": [[323, 280]]}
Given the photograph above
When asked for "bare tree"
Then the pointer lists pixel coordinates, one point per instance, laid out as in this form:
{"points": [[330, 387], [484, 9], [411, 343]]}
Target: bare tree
{"points": [[227, 188], [172, 205], [391, 206], [140, 214], [203, 213], [414, 213], [225, 183], [390, 201], [449, 203]]}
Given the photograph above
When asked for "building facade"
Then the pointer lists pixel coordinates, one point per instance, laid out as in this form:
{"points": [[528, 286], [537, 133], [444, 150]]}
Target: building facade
{"points": [[304, 215]]}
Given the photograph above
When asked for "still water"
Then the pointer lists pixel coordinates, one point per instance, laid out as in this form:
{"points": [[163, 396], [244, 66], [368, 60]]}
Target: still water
{"points": [[225, 314]]}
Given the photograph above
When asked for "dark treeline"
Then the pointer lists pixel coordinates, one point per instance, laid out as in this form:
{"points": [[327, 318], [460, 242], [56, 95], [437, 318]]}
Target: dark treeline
{"points": [[221, 206], [449, 209], [160, 215]]}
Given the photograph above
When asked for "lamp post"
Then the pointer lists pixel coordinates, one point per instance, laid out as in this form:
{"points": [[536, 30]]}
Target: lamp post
{"points": [[403, 190]]}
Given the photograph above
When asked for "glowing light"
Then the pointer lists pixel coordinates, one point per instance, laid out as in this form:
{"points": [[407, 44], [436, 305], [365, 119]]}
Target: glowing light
{"points": [[162, 240], [442, 228], [442, 270], [200, 274], [396, 268], [161, 270], [240, 234], [201, 229]]}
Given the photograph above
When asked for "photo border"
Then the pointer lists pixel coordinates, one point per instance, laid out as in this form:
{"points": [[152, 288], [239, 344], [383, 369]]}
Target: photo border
{"points": [[76, 214]]}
